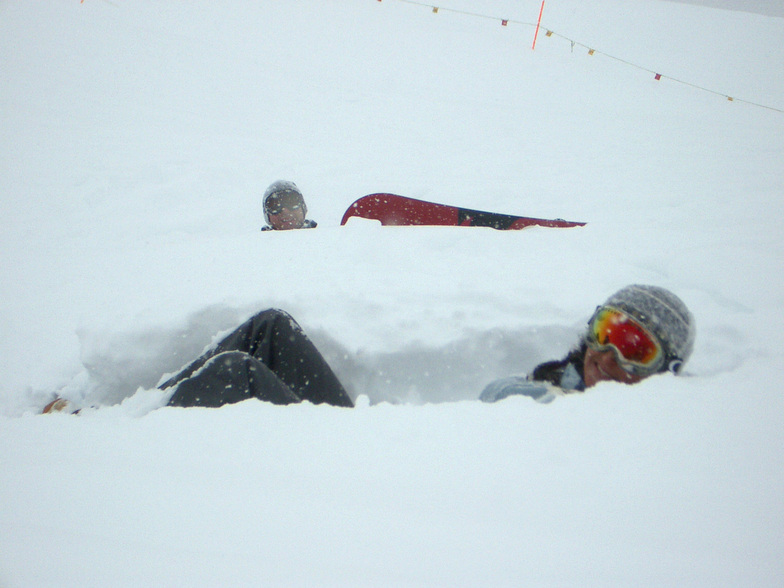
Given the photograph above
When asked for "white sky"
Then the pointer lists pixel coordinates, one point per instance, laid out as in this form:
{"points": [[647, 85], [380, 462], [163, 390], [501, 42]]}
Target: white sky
{"points": [[766, 7]]}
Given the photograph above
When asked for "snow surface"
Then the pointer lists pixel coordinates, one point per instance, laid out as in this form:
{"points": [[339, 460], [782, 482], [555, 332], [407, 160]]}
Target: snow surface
{"points": [[137, 139]]}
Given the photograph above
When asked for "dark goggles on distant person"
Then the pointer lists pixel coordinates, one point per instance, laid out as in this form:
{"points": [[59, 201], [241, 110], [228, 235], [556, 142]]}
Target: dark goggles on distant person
{"points": [[280, 200], [636, 349]]}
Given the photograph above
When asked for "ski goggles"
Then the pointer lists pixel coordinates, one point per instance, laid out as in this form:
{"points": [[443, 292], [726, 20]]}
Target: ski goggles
{"points": [[277, 202], [636, 349]]}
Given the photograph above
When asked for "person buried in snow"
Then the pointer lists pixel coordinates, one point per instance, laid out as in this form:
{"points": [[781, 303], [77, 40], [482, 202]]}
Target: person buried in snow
{"points": [[284, 208], [638, 332]]}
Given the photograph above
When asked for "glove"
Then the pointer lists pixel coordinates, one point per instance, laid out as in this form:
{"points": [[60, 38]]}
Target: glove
{"points": [[518, 386], [61, 405]]}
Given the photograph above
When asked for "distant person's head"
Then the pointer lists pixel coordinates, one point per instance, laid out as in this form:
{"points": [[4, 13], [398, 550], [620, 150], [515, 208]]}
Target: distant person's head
{"points": [[284, 206], [639, 331]]}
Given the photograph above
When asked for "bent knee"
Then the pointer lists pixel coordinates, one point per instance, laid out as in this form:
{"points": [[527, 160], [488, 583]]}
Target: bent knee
{"points": [[273, 314]]}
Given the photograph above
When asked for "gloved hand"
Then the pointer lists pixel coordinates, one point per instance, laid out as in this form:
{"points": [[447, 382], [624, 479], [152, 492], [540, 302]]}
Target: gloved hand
{"points": [[61, 405], [518, 385]]}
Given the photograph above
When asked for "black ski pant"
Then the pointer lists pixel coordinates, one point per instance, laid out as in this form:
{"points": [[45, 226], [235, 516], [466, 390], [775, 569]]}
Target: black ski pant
{"points": [[268, 357]]}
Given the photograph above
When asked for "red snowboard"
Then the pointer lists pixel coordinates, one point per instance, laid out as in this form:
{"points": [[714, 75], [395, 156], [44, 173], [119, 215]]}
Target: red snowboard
{"points": [[391, 209]]}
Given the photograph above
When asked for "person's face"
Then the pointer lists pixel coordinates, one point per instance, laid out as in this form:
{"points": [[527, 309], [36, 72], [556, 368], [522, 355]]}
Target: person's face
{"points": [[287, 219], [600, 366], [285, 211]]}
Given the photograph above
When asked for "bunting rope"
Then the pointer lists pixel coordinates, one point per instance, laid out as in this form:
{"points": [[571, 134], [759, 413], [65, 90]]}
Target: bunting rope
{"points": [[591, 50]]}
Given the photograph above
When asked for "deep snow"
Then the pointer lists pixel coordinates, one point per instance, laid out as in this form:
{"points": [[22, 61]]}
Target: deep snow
{"points": [[137, 140]]}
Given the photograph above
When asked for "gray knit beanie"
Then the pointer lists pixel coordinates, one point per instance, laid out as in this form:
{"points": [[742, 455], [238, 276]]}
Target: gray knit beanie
{"points": [[664, 315]]}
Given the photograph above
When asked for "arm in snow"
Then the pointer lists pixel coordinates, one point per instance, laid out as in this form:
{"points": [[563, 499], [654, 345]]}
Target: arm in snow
{"points": [[519, 386]]}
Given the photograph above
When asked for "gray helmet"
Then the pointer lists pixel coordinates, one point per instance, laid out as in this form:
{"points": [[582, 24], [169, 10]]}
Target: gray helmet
{"points": [[278, 189], [664, 315]]}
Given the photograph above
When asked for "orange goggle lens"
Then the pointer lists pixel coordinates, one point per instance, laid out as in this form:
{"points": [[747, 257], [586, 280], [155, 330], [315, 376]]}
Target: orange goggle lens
{"points": [[633, 342]]}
